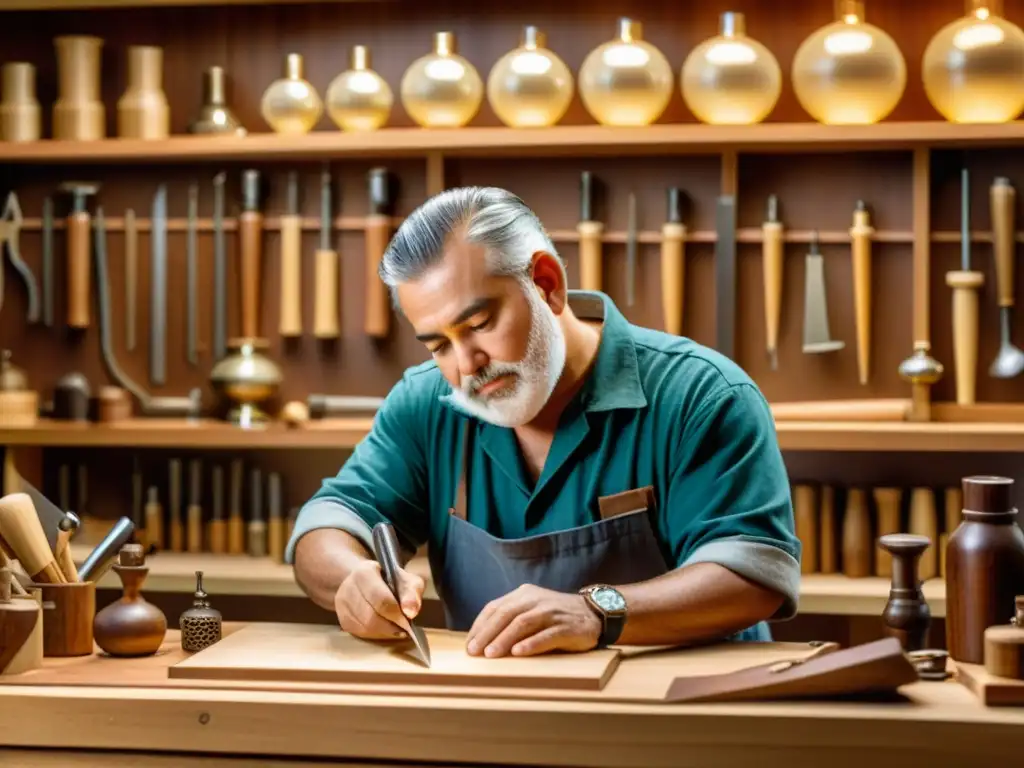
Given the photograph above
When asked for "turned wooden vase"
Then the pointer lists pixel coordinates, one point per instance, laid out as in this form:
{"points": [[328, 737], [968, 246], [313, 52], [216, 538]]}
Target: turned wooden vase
{"points": [[130, 626]]}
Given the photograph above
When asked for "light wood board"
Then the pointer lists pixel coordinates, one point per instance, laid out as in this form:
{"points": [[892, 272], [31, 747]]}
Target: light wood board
{"points": [[322, 653], [991, 690]]}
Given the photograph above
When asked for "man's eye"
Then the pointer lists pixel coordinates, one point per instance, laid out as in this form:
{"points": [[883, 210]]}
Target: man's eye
{"points": [[439, 348], [484, 324]]}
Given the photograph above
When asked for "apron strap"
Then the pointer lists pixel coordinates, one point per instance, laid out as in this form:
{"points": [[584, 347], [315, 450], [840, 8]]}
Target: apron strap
{"points": [[459, 508]]}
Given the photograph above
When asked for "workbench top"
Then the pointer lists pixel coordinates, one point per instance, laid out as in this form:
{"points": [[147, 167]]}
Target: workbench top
{"points": [[937, 724]]}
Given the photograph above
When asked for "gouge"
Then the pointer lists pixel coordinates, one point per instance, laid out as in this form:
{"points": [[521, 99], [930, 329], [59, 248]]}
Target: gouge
{"points": [[673, 264], [325, 298], [965, 283], [772, 258], [590, 231], [860, 239], [378, 227], [78, 251], [250, 236], [1009, 360], [290, 324]]}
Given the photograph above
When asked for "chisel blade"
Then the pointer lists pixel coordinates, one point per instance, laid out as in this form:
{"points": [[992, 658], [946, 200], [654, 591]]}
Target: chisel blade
{"points": [[158, 290], [385, 549]]}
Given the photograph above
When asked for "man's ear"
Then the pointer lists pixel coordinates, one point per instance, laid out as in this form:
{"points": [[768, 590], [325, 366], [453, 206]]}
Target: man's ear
{"points": [[549, 277]]}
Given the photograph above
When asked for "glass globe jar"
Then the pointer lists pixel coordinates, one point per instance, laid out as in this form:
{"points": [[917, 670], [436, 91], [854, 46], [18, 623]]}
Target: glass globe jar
{"points": [[849, 72], [359, 99], [530, 86], [291, 105], [626, 81], [731, 79], [442, 89], [973, 68]]}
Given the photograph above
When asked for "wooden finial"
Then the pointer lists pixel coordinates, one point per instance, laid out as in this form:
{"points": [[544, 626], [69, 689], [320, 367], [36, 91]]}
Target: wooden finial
{"points": [[132, 555]]}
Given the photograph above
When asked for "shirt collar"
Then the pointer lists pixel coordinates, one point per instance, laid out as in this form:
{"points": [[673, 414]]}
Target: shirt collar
{"points": [[614, 379]]}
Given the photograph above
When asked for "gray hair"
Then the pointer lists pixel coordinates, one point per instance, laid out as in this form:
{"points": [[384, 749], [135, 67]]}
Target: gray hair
{"points": [[494, 218]]}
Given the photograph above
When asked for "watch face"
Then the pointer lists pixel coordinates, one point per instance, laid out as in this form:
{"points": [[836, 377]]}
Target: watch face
{"points": [[609, 599]]}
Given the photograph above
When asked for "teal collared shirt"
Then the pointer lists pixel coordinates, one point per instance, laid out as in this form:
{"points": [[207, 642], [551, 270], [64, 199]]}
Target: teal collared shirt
{"points": [[656, 409]]}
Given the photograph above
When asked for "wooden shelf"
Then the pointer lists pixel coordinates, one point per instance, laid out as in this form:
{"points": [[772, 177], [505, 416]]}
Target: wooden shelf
{"points": [[346, 433], [589, 140], [243, 575], [64, 5]]}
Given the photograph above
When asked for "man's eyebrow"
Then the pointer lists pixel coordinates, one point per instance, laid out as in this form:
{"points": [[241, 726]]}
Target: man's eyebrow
{"points": [[475, 307]]}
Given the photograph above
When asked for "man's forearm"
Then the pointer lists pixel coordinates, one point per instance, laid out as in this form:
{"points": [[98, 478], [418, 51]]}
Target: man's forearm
{"points": [[323, 558], [698, 602]]}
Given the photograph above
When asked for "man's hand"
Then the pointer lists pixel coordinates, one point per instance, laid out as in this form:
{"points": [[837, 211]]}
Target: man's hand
{"points": [[531, 620], [366, 608]]}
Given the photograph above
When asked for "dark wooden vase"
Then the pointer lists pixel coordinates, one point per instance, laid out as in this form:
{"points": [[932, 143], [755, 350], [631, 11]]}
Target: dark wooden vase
{"points": [[906, 615], [984, 566], [130, 626]]}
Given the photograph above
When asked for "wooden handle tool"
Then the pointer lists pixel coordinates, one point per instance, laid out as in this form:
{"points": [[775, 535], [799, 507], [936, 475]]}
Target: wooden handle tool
{"points": [[154, 520], [177, 530], [378, 230], [78, 252], [860, 239], [194, 514], [131, 279], [62, 551], [772, 254], [965, 283], [924, 521], [218, 534], [250, 240], [1009, 360], [257, 528], [590, 232], [805, 513], [236, 523], [673, 265], [291, 264], [843, 410], [327, 268], [887, 509], [857, 544], [275, 519], [23, 534], [828, 561]]}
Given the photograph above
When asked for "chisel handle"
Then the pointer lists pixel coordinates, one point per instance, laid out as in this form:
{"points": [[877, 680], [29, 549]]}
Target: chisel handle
{"points": [[217, 534], [257, 538], [860, 239], [78, 269], [291, 276], [805, 515], [591, 273], [195, 528], [155, 526], [275, 538], [965, 287], [673, 276], [236, 535], [378, 309], [177, 535], [887, 505], [1002, 200], [325, 300], [772, 255], [250, 234]]}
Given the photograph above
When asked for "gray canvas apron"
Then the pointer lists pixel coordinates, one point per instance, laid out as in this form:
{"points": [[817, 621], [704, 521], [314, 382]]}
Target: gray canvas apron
{"points": [[474, 567]]}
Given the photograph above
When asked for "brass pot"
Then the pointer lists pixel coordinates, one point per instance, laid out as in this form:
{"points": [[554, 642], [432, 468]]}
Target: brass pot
{"points": [[247, 377]]}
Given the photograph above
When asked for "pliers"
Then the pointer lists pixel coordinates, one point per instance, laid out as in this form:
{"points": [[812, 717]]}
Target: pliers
{"points": [[10, 235]]}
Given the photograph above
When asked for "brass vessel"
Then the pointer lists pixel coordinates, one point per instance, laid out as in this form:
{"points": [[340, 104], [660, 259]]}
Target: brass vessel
{"points": [[215, 116], [246, 377]]}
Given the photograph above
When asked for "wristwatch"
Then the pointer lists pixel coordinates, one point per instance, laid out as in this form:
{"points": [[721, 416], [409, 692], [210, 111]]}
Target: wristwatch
{"points": [[608, 603]]}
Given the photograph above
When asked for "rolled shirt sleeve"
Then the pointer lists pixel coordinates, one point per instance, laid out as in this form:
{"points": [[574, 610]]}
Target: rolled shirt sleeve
{"points": [[385, 479], [729, 497]]}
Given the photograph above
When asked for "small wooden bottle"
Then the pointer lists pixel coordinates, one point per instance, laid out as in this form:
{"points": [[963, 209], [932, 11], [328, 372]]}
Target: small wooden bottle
{"points": [[906, 615], [200, 624], [21, 630], [142, 111], [1004, 646], [19, 108], [130, 626]]}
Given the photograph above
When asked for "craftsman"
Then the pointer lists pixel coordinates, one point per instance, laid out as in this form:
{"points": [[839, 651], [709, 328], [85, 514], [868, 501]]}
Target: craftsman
{"points": [[579, 480]]}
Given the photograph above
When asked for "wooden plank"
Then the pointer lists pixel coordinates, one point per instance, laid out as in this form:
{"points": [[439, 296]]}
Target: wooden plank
{"points": [[565, 140], [319, 653], [68, 5], [992, 691]]}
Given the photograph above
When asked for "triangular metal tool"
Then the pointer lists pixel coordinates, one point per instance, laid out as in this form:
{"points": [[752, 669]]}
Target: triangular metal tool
{"points": [[817, 337]]}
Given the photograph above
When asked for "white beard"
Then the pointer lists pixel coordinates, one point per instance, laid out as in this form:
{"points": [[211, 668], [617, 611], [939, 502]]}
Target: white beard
{"points": [[533, 378]]}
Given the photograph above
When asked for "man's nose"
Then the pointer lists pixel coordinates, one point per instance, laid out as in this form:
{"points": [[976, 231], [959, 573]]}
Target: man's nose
{"points": [[470, 358]]}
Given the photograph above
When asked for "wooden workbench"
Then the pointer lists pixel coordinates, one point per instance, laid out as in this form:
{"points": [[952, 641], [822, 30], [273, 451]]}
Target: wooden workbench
{"points": [[73, 726]]}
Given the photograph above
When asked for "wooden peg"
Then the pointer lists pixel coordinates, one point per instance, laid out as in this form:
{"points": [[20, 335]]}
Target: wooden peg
{"points": [[887, 507], [828, 561], [857, 544], [806, 516]]}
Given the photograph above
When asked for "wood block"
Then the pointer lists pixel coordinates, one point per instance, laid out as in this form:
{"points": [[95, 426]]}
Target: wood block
{"points": [[323, 653], [992, 691]]}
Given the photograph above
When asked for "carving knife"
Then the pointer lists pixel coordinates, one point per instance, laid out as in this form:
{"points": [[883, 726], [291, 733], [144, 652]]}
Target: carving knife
{"points": [[191, 278], [385, 549], [158, 290]]}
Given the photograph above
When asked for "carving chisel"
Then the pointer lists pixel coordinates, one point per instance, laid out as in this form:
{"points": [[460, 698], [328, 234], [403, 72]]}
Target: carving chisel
{"points": [[174, 511], [965, 283], [236, 525], [325, 307], [275, 522], [385, 550], [725, 275], [378, 226], [138, 516], [48, 262], [257, 525], [77, 232], [158, 290], [131, 277], [194, 515], [290, 324], [817, 335], [191, 276], [631, 252], [154, 520], [1009, 360], [860, 239], [220, 271], [102, 557], [673, 264], [250, 235], [772, 259], [218, 531], [590, 231]]}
